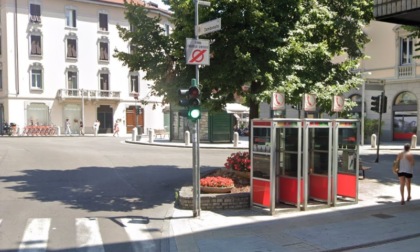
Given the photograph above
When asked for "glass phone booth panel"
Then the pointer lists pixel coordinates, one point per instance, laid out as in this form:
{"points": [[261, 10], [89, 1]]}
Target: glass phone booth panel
{"points": [[261, 163], [347, 160], [319, 165], [288, 162]]}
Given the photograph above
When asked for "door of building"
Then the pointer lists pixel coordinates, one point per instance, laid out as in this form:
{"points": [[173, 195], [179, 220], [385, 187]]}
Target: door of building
{"points": [[131, 119], [105, 118]]}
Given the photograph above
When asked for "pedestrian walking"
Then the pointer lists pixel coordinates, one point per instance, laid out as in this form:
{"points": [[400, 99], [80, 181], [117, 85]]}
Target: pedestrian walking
{"points": [[96, 125], [81, 129], [405, 172], [68, 129], [116, 129]]}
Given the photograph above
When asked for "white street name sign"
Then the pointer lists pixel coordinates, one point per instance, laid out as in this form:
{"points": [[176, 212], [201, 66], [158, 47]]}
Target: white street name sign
{"points": [[208, 27]]}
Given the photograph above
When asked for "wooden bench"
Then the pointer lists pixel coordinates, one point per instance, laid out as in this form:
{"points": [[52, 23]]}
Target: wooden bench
{"points": [[159, 132]]}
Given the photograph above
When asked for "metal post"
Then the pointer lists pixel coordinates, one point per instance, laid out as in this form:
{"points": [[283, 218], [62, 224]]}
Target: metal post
{"points": [[196, 139], [83, 111], [379, 127], [136, 98], [362, 117]]}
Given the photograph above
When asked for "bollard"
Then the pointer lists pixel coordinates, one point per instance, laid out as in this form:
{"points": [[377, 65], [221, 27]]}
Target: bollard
{"points": [[373, 141], [134, 135], [187, 137], [235, 139], [150, 136], [413, 141], [58, 131]]}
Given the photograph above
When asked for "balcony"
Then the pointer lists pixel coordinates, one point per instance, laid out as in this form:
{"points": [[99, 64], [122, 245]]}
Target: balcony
{"points": [[406, 71], [405, 12], [90, 95]]}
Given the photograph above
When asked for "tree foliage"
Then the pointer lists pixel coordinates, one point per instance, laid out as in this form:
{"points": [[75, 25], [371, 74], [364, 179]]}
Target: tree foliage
{"points": [[290, 46]]}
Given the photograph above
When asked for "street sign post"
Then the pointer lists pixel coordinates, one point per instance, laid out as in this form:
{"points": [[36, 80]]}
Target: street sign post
{"points": [[208, 27], [197, 51]]}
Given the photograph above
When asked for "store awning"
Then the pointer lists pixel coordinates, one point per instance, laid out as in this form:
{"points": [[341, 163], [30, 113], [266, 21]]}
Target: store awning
{"points": [[236, 108]]}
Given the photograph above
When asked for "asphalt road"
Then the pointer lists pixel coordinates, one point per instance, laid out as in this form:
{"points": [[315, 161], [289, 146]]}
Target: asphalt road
{"points": [[73, 185]]}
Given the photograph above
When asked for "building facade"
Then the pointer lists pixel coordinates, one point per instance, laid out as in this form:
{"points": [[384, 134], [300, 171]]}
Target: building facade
{"points": [[391, 68], [56, 63]]}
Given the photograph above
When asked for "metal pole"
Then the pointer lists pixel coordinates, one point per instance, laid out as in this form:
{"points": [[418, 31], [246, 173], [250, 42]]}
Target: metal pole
{"points": [[136, 97], [379, 127], [83, 110], [362, 117], [196, 138]]}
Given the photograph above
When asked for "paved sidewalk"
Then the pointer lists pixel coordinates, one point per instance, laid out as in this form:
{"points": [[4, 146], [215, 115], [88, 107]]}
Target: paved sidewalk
{"points": [[377, 223]]}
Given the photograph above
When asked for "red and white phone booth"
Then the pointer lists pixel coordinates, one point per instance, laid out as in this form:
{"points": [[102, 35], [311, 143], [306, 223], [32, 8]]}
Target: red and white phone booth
{"points": [[303, 162]]}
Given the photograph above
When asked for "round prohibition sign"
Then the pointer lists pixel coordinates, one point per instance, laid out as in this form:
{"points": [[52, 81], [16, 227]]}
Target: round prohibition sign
{"points": [[197, 56]]}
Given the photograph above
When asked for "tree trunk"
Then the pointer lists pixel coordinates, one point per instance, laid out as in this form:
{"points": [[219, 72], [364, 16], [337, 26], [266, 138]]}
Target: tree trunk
{"points": [[253, 107]]}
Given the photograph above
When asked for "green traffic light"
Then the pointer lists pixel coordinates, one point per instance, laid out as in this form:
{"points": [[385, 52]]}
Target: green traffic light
{"points": [[194, 113]]}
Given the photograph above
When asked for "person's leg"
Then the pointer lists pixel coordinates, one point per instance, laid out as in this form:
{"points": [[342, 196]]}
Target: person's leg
{"points": [[408, 182], [402, 185]]}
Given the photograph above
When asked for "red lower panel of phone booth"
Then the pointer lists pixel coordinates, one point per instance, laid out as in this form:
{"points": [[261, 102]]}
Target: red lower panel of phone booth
{"points": [[289, 190], [318, 187], [346, 185], [261, 192]]}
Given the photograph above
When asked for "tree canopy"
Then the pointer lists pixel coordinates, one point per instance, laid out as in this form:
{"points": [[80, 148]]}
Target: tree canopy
{"points": [[289, 46]]}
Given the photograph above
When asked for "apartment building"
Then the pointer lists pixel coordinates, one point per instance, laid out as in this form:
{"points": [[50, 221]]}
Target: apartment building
{"points": [[391, 69], [56, 63]]}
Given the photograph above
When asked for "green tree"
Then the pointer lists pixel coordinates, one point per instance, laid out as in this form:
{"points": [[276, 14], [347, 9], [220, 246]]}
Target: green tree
{"points": [[269, 45]]}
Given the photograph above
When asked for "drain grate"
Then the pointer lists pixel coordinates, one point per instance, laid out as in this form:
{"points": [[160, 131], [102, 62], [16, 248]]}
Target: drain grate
{"points": [[383, 216]]}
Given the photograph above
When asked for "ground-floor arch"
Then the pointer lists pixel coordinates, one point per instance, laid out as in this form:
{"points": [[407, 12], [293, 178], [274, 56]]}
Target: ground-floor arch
{"points": [[405, 117]]}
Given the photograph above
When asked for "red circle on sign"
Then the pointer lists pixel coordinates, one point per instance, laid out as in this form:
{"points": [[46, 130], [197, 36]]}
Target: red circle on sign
{"points": [[197, 55]]}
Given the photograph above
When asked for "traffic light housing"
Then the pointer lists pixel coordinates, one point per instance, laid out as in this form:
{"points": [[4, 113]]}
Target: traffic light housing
{"points": [[183, 101], [376, 100], [190, 99], [194, 110], [383, 104]]}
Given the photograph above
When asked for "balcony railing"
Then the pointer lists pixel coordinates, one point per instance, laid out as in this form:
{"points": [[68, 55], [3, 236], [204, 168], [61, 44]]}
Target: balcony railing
{"points": [[405, 71], [63, 94]]}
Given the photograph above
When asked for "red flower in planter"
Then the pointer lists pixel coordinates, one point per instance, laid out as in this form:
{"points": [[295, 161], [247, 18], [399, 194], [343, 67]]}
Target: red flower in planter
{"points": [[239, 161], [216, 182]]}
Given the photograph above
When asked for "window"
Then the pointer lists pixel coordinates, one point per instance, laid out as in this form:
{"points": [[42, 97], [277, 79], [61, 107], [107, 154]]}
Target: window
{"points": [[167, 30], [133, 28], [72, 80], [71, 48], [132, 49], [134, 83], [104, 84], [71, 17], [406, 51], [35, 13], [103, 22], [72, 83], [103, 51], [36, 48], [104, 81], [36, 78]]}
